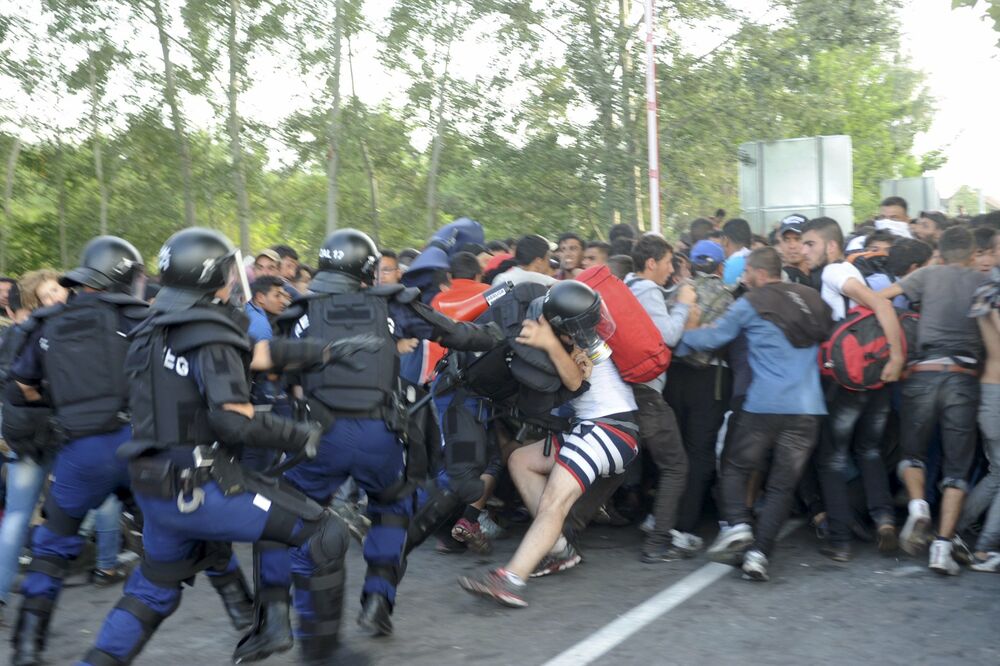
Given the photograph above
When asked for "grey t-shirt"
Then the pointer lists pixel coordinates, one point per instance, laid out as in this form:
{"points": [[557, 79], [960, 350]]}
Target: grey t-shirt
{"points": [[943, 295]]}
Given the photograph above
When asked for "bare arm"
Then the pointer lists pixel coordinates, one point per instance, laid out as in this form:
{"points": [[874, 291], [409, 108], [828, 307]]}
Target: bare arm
{"points": [[30, 393], [540, 335], [886, 315], [890, 292]]}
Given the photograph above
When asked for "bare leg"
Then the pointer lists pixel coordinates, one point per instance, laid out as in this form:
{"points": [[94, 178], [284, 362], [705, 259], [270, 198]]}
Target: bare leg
{"points": [[560, 492], [951, 508], [914, 479], [530, 467], [489, 485]]}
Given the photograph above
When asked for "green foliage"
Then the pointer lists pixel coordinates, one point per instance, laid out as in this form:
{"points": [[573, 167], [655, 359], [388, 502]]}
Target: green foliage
{"points": [[566, 152]]}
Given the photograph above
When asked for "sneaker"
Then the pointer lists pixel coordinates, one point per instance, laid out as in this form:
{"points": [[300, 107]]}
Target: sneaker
{"points": [[989, 565], [601, 517], [729, 546], [916, 533], [615, 517], [654, 553], [495, 585], [102, 578], [686, 542], [961, 551], [941, 560], [471, 534], [490, 528], [888, 542], [556, 562], [648, 524], [755, 566], [448, 546], [838, 552]]}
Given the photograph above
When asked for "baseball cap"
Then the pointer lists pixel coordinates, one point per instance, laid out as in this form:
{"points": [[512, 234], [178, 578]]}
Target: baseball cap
{"points": [[705, 251], [792, 222], [270, 254]]}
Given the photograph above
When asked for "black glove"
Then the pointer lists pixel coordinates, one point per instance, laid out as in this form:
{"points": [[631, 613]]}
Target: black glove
{"points": [[337, 351]]}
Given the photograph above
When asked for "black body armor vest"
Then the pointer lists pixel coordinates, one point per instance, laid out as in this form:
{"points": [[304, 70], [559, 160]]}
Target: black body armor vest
{"points": [[85, 349], [168, 409]]}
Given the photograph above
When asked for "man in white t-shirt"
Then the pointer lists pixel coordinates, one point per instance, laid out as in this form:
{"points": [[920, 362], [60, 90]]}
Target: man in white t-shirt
{"points": [[601, 441], [857, 419]]}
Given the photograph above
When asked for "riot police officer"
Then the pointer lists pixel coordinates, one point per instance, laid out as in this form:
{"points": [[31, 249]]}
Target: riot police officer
{"points": [[362, 412], [70, 372], [188, 374]]}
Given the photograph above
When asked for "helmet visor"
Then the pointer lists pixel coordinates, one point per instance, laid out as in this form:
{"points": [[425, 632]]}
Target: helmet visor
{"points": [[591, 333], [236, 281]]}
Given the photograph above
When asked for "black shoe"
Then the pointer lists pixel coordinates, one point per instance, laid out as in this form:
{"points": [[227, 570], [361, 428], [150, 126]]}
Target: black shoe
{"points": [[236, 597], [376, 615], [102, 578], [29, 637], [655, 553], [838, 552], [271, 634]]}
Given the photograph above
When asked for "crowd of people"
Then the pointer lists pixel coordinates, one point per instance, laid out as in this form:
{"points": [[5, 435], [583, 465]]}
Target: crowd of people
{"points": [[450, 393]]}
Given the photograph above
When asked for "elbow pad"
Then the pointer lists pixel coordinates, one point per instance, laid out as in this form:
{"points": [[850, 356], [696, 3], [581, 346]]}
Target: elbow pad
{"points": [[304, 354], [265, 430]]}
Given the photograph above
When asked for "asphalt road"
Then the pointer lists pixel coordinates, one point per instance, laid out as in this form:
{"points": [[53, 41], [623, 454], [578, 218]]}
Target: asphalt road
{"points": [[875, 609]]}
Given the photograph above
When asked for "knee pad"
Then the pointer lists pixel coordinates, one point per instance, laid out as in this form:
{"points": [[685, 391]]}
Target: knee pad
{"points": [[328, 545], [907, 463], [57, 520]]}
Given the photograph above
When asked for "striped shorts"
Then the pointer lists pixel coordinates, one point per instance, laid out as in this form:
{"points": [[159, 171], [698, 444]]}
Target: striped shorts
{"points": [[592, 449]]}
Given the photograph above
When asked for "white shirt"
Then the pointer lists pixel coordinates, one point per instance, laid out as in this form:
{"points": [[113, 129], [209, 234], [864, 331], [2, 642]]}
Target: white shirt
{"points": [[608, 394], [835, 276], [517, 275]]}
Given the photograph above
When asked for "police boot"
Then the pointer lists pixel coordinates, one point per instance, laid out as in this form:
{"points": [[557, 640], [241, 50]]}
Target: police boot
{"points": [[272, 629], [235, 594], [319, 635], [376, 615], [30, 634]]}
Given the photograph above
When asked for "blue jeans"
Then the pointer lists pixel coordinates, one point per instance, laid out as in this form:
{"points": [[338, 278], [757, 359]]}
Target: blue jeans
{"points": [[25, 478], [105, 523]]}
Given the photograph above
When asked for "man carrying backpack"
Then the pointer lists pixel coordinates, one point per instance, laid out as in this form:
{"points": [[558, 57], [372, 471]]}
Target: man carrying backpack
{"points": [[942, 386], [698, 385], [784, 323], [658, 430], [857, 418]]}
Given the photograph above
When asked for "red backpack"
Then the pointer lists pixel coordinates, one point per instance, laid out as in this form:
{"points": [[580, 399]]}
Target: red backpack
{"points": [[637, 347], [858, 350]]}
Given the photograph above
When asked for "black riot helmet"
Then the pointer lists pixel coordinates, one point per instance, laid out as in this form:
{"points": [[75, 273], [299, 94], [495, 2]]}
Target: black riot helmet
{"points": [[352, 253], [107, 263], [574, 309], [194, 264]]}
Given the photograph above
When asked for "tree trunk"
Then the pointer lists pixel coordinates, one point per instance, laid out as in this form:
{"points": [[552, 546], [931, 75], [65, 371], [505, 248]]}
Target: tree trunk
{"points": [[235, 127], [633, 210], [441, 123], [176, 119], [8, 192], [333, 128], [61, 199], [365, 157], [102, 187]]}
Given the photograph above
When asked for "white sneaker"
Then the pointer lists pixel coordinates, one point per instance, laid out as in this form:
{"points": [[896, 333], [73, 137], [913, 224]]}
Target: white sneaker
{"points": [[729, 546], [916, 533], [648, 524], [490, 527], [990, 565], [941, 560], [688, 543], [755, 566]]}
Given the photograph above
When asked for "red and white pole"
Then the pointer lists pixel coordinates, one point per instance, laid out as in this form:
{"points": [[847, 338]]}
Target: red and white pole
{"points": [[651, 134]]}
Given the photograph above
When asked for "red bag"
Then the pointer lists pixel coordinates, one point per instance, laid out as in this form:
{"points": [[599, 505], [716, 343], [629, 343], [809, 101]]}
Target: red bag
{"points": [[637, 347], [858, 350]]}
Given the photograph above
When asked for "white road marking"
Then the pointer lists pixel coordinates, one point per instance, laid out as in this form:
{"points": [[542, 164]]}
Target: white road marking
{"points": [[613, 634]]}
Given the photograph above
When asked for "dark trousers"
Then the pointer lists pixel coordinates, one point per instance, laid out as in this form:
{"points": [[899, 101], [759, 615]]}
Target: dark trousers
{"points": [[790, 439], [660, 436], [857, 419], [699, 398]]}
